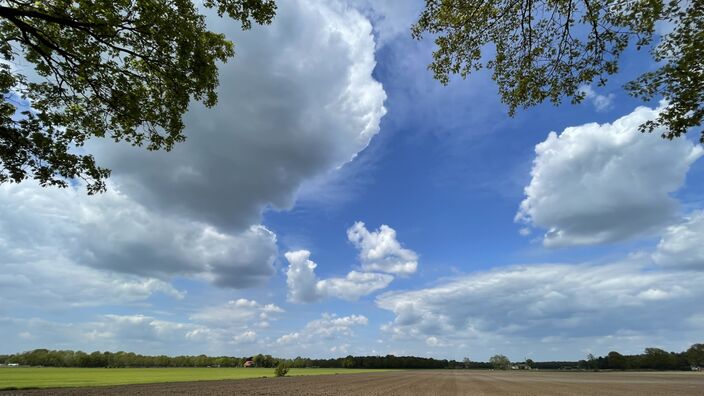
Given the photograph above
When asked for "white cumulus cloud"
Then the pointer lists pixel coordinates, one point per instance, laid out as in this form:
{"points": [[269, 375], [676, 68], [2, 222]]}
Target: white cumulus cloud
{"points": [[682, 245], [328, 327], [240, 312], [526, 303], [598, 183], [247, 337], [600, 102], [381, 251], [304, 285], [54, 283]]}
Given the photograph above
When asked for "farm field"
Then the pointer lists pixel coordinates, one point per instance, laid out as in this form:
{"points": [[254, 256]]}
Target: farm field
{"points": [[49, 377], [424, 382]]}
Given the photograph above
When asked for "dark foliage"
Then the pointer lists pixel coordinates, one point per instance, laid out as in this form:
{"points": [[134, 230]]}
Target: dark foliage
{"points": [[125, 70], [651, 359], [540, 50]]}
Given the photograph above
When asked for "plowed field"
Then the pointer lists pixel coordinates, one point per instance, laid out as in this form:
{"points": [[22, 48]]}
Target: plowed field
{"points": [[426, 382]]}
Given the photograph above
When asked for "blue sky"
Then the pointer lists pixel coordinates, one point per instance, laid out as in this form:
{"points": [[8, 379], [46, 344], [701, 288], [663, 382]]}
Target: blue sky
{"points": [[338, 200]]}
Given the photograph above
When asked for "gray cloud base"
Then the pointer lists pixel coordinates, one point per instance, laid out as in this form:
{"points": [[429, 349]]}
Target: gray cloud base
{"points": [[114, 234], [282, 118]]}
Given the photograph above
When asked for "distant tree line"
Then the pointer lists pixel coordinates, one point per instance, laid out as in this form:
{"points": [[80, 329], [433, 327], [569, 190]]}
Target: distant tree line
{"points": [[68, 358], [650, 359], [374, 362]]}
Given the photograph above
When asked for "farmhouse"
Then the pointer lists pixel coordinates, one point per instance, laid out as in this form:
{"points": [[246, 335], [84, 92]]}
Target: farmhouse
{"points": [[520, 366]]}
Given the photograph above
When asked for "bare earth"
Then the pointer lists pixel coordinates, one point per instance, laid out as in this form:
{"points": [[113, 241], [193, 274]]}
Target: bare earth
{"points": [[422, 382]]}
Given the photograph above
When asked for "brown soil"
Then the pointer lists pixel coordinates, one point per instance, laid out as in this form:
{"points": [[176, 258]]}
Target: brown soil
{"points": [[425, 382]]}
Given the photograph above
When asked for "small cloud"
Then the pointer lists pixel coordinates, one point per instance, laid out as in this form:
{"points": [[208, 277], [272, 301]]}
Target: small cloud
{"points": [[241, 312], [381, 251], [328, 327], [288, 338], [601, 102], [247, 337], [682, 245], [342, 349]]}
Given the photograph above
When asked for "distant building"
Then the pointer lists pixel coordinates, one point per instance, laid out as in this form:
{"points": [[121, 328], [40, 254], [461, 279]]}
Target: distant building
{"points": [[13, 364], [520, 366]]}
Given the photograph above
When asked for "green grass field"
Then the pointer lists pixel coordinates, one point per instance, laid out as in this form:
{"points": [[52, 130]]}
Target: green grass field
{"points": [[48, 377]]}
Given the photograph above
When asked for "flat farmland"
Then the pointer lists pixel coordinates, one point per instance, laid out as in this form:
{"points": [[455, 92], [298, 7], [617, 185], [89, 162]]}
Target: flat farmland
{"points": [[425, 382], [50, 377]]}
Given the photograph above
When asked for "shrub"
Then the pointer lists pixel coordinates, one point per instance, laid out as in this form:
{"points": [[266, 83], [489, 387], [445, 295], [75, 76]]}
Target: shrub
{"points": [[281, 369]]}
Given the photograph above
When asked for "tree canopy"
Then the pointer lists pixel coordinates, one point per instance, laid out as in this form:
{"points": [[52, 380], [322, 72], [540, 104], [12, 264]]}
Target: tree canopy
{"points": [[695, 355], [550, 49], [652, 358], [120, 69], [500, 362]]}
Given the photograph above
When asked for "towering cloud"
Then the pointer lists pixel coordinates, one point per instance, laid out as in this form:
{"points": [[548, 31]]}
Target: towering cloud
{"points": [[298, 100]]}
